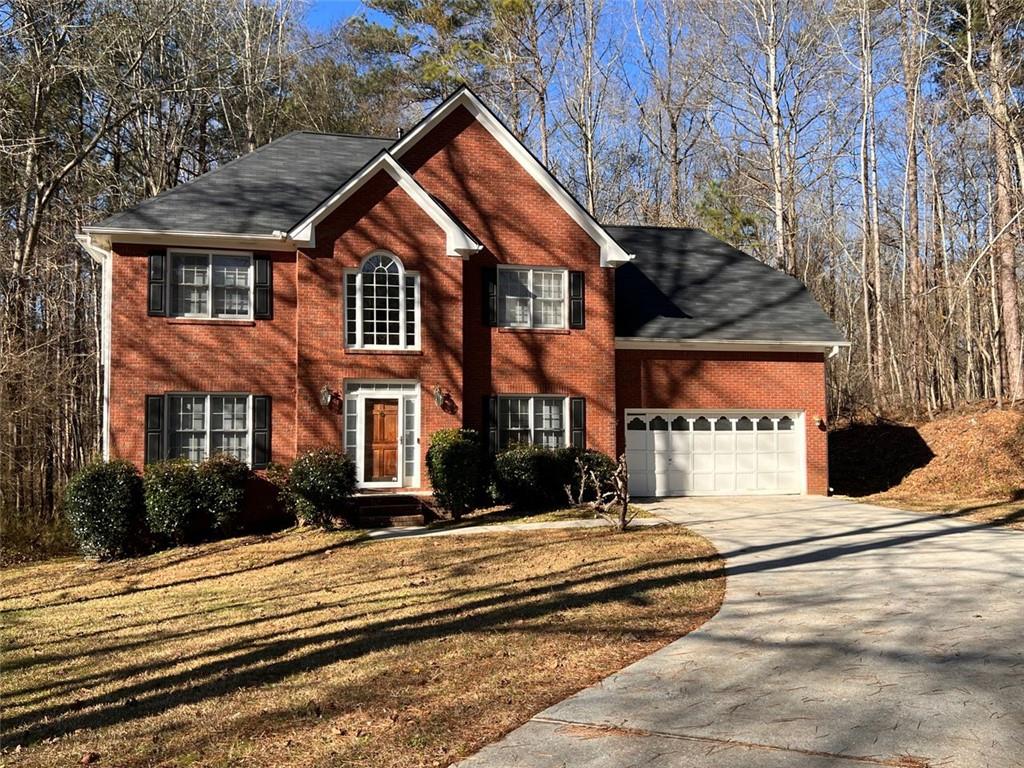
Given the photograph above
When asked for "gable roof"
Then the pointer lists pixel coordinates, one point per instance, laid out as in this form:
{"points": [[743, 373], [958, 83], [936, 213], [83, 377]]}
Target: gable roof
{"points": [[685, 285], [260, 193], [612, 253], [458, 241]]}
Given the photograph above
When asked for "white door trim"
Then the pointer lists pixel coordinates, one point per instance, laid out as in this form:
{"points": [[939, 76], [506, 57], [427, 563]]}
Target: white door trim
{"points": [[409, 391]]}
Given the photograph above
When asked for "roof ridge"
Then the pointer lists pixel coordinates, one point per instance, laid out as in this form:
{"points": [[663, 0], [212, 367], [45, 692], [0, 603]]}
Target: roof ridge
{"points": [[392, 139]]}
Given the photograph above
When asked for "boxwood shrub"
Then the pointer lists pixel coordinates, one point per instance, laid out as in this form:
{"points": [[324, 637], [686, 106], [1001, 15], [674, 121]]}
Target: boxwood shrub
{"points": [[175, 508], [222, 483], [318, 487], [532, 477], [103, 504], [455, 466]]}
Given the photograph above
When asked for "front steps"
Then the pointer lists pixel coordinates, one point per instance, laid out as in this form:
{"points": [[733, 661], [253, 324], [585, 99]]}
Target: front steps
{"points": [[392, 510]]}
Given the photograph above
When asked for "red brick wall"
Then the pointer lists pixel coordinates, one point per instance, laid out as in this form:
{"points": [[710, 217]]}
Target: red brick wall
{"points": [[155, 355], [461, 164], [773, 381], [380, 216]]}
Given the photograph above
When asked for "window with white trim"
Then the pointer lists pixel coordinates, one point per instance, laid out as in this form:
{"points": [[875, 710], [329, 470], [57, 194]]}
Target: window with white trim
{"points": [[202, 425], [532, 297], [532, 419], [211, 285], [381, 305]]}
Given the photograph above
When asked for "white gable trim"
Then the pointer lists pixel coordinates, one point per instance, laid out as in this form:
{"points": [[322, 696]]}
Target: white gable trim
{"points": [[459, 242], [612, 254]]}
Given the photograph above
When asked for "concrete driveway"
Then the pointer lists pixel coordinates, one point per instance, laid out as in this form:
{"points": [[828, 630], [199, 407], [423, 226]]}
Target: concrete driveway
{"points": [[851, 635]]}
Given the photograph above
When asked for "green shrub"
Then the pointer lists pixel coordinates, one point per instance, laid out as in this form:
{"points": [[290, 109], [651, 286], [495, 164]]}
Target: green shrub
{"points": [[175, 509], [455, 466], [103, 504], [318, 487], [532, 477], [222, 483]]}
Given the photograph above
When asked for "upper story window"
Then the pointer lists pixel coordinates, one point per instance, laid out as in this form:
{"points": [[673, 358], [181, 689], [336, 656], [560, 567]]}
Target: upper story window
{"points": [[381, 305], [532, 298], [211, 285]]}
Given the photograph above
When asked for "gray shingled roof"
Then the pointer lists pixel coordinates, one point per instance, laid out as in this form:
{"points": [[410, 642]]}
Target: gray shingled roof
{"points": [[686, 284], [270, 189]]}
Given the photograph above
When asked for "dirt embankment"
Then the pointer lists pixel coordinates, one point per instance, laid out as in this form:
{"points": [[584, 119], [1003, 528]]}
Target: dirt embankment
{"points": [[954, 460]]}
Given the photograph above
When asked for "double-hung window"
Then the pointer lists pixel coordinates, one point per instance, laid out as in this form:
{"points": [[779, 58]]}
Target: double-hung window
{"points": [[532, 419], [202, 425], [381, 305], [211, 285], [532, 297]]}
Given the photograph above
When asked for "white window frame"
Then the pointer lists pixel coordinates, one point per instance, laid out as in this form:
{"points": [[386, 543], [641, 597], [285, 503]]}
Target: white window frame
{"points": [[533, 428], [532, 270], [207, 411], [210, 255], [403, 273]]}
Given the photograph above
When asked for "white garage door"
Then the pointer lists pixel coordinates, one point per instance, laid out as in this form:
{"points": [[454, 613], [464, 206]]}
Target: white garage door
{"points": [[686, 453]]}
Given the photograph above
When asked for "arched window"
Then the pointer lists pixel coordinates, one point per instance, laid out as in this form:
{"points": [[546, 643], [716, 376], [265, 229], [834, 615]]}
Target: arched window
{"points": [[381, 307]]}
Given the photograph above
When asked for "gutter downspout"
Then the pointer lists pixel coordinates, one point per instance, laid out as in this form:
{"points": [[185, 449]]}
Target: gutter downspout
{"points": [[104, 258]]}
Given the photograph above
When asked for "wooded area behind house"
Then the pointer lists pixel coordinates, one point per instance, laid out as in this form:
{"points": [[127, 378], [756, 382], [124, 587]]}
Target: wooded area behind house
{"points": [[874, 150]]}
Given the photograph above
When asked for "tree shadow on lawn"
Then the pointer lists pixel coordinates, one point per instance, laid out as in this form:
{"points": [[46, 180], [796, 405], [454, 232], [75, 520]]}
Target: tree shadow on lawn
{"points": [[273, 658]]}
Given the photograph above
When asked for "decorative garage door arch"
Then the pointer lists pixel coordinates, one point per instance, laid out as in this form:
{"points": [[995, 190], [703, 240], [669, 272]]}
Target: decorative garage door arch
{"points": [[695, 453]]}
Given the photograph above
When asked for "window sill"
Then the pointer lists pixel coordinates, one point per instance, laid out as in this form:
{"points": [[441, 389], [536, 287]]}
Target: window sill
{"points": [[209, 321], [354, 351], [552, 331]]}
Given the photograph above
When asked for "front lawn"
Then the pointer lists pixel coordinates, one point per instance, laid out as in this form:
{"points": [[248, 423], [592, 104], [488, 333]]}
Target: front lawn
{"points": [[326, 649], [504, 514]]}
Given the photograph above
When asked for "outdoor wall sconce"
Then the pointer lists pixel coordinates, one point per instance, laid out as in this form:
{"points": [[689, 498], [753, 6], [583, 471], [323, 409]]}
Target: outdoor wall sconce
{"points": [[329, 398], [444, 400], [819, 422]]}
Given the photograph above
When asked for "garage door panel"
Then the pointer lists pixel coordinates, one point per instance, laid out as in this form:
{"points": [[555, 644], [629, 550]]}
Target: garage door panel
{"points": [[703, 482], [746, 443], [765, 441], [746, 462], [746, 481], [703, 462], [703, 443], [662, 459], [788, 462], [725, 462]]}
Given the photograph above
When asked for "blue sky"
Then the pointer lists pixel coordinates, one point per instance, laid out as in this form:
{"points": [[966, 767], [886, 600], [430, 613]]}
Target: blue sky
{"points": [[323, 13]]}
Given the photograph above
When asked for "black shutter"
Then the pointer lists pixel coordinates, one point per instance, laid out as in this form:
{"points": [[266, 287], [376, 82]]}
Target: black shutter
{"points": [[491, 422], [260, 431], [158, 282], [489, 295], [577, 317], [578, 422], [154, 428], [264, 288]]}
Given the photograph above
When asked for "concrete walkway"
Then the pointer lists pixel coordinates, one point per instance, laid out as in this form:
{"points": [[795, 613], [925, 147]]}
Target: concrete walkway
{"points": [[851, 635]]}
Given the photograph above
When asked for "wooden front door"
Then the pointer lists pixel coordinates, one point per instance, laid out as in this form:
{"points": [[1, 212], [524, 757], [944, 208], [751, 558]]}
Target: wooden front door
{"points": [[380, 459]]}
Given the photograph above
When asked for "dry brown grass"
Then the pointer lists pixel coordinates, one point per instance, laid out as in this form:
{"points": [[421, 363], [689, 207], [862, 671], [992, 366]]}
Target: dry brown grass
{"points": [[310, 649], [1007, 514]]}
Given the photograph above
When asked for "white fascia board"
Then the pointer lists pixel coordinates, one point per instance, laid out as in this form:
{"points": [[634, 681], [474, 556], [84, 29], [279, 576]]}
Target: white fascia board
{"points": [[459, 242], [277, 241], [730, 345], [612, 254], [99, 250]]}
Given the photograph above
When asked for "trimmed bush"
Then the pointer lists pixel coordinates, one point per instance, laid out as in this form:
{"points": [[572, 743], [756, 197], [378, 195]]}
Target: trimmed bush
{"points": [[103, 504], [319, 486], [222, 482], [532, 477], [455, 466], [175, 509]]}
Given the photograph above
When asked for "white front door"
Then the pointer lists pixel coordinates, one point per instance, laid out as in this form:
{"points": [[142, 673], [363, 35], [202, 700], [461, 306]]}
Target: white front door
{"points": [[692, 453]]}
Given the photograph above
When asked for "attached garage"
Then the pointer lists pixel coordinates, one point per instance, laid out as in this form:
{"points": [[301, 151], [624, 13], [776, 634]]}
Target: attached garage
{"points": [[696, 453]]}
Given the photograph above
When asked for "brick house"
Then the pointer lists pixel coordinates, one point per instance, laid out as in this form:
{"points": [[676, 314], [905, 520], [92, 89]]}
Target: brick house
{"points": [[361, 293]]}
